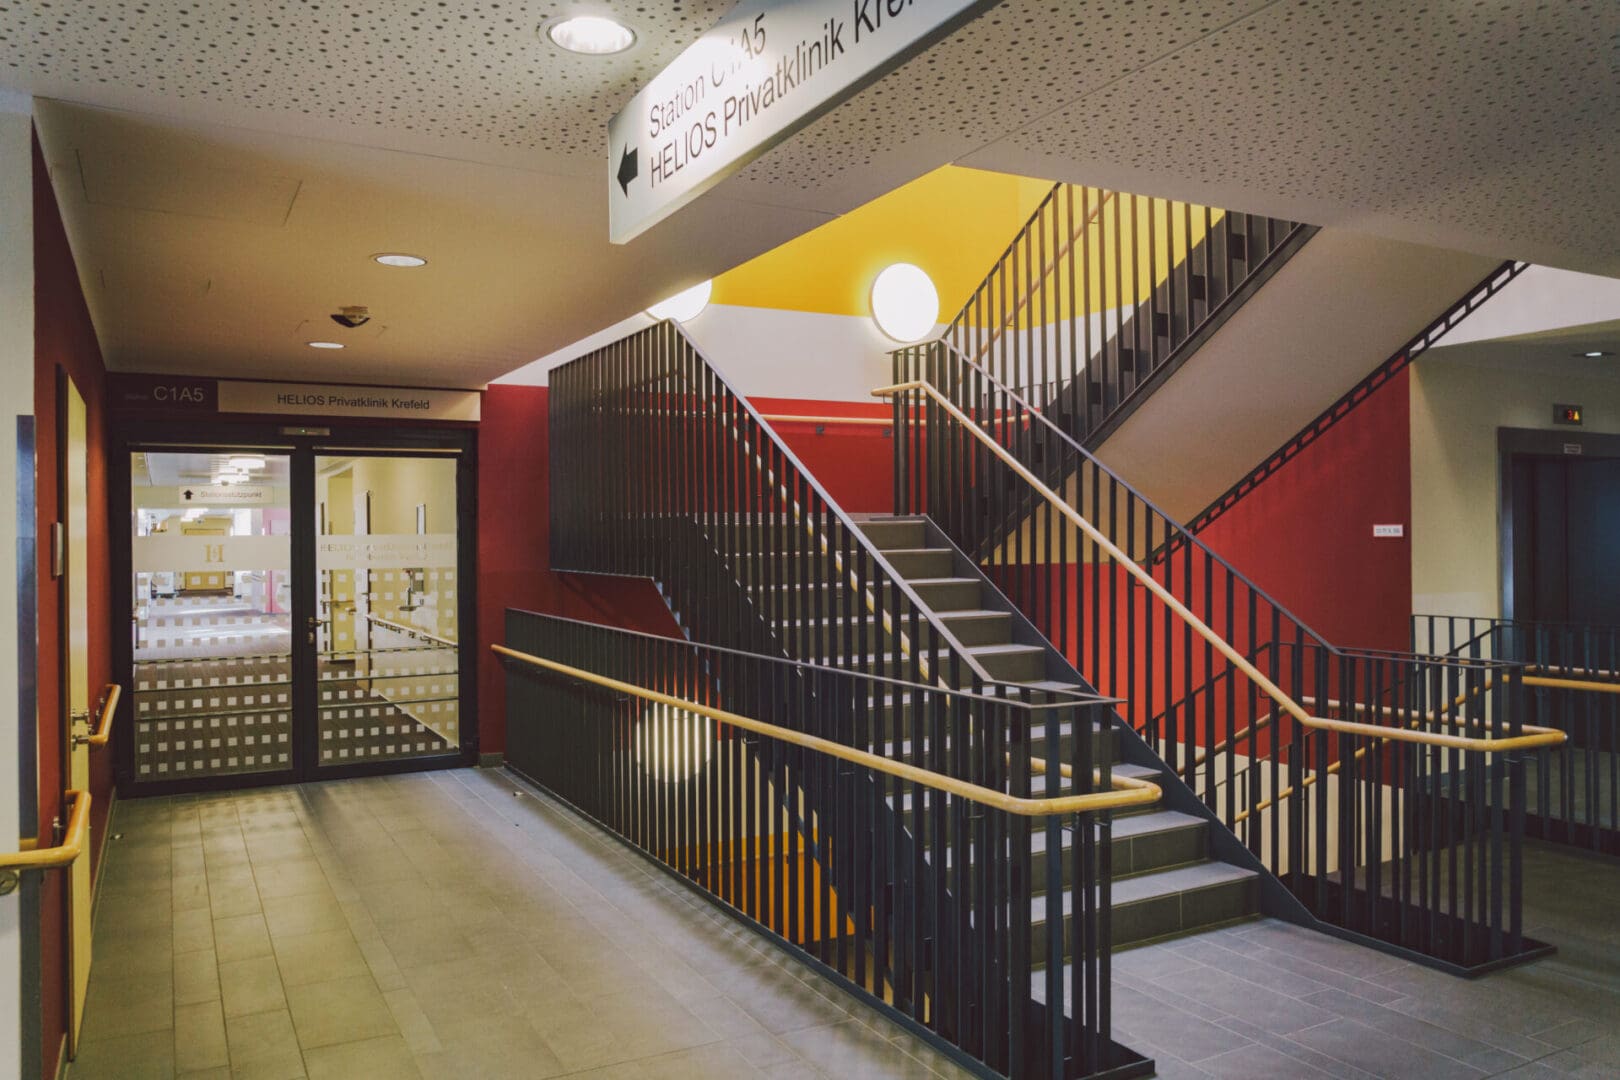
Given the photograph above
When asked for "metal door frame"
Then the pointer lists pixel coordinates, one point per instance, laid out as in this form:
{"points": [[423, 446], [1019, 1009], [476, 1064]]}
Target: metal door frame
{"points": [[302, 443]]}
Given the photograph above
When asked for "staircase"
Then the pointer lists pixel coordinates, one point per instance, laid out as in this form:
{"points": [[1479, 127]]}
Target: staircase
{"points": [[1165, 880]]}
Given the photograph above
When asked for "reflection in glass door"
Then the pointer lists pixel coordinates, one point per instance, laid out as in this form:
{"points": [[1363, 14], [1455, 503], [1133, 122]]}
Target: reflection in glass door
{"points": [[211, 558], [387, 597]]}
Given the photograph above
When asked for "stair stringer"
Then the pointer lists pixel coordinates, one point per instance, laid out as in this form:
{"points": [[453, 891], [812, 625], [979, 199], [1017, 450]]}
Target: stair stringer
{"points": [[1276, 900]]}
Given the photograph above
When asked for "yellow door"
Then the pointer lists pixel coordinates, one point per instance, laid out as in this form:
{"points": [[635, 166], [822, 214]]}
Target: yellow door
{"points": [[75, 502]]}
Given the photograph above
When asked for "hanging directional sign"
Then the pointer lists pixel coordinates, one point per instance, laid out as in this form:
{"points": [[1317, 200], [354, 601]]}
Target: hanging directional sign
{"points": [[768, 69]]}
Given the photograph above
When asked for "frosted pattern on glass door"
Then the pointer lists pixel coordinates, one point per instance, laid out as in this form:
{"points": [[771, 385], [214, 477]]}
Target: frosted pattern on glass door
{"points": [[387, 596], [211, 619]]}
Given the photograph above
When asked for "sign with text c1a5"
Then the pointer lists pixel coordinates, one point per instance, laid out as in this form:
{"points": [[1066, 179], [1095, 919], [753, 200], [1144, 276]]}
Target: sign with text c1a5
{"points": [[767, 70]]}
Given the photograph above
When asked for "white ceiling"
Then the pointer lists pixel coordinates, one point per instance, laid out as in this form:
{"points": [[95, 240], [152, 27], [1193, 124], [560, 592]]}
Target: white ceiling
{"points": [[227, 166]]}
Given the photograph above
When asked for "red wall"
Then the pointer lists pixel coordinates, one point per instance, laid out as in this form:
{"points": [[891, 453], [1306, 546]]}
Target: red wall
{"points": [[1305, 534], [853, 462], [64, 338], [514, 550]]}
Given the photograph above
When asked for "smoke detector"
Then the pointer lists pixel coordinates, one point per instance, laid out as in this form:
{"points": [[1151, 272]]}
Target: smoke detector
{"points": [[353, 316]]}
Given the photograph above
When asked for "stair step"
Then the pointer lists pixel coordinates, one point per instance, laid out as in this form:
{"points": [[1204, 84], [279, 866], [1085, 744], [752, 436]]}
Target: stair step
{"points": [[947, 593], [1158, 841], [977, 627], [920, 562], [894, 532], [1011, 663], [1162, 904]]}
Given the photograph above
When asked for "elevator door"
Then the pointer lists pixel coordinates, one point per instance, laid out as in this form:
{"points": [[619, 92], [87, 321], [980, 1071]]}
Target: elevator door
{"points": [[1566, 539]]}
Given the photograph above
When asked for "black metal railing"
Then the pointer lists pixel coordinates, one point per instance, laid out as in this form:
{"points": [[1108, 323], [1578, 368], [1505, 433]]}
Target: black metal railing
{"points": [[1372, 832], [660, 469], [1103, 294], [1573, 675], [658, 740]]}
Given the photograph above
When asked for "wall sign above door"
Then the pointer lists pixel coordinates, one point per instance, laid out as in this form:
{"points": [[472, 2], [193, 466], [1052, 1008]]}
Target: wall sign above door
{"points": [[170, 393], [768, 69]]}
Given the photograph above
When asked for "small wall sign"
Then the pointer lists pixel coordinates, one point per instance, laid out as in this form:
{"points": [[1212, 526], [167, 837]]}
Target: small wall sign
{"points": [[1382, 531]]}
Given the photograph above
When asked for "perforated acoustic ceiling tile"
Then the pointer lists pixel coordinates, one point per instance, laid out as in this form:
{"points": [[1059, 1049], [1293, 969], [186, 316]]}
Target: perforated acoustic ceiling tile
{"points": [[996, 74], [468, 69], [1490, 118]]}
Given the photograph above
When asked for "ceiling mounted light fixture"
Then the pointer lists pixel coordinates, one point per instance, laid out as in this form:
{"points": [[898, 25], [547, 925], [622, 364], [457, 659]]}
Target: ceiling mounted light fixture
{"points": [[592, 35], [245, 464], [399, 258], [325, 345], [1594, 354], [685, 305], [905, 304]]}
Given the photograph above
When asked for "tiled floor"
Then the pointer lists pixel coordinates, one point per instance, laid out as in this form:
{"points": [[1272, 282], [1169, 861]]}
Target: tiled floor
{"points": [[454, 925], [1266, 999], [438, 925]]}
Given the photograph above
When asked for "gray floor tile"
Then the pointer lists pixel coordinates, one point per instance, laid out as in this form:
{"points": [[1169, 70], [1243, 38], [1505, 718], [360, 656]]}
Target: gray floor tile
{"points": [[251, 986], [383, 1058], [199, 1037], [319, 957], [146, 1056], [340, 1010]]}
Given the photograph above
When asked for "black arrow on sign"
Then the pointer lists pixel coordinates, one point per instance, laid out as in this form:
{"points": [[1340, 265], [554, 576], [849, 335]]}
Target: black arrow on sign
{"points": [[188, 495], [628, 169]]}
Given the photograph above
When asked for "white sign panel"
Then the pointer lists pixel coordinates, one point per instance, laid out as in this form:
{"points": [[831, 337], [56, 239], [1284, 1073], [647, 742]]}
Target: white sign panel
{"points": [[321, 399], [226, 495], [197, 552], [1382, 531], [768, 69], [383, 551]]}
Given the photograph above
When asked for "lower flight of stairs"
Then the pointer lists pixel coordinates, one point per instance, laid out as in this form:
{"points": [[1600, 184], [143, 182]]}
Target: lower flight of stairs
{"points": [[1164, 880]]}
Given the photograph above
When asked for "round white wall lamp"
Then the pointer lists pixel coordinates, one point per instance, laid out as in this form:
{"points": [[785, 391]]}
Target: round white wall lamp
{"points": [[905, 304], [590, 35], [685, 305]]}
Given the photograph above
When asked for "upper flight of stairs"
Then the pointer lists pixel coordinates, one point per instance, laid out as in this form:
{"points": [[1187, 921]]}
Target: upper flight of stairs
{"points": [[1165, 880]]}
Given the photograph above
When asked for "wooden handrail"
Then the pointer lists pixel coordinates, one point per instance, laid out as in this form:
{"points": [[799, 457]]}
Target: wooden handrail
{"points": [[109, 706], [63, 854], [1236, 659], [1127, 791]]}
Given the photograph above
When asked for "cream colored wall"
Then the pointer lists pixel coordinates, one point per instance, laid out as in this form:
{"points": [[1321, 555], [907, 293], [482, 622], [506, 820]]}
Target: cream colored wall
{"points": [[16, 387], [1459, 401]]}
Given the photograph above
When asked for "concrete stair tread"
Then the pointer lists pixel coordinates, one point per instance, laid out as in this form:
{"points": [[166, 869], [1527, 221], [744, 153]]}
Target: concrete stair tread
{"points": [[908, 550], [942, 581], [1005, 649], [1156, 884]]}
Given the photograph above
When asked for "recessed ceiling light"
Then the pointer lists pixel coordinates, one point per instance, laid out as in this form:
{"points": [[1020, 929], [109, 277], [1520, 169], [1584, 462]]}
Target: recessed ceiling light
{"points": [[1594, 354], [395, 258], [592, 35], [325, 345], [685, 305]]}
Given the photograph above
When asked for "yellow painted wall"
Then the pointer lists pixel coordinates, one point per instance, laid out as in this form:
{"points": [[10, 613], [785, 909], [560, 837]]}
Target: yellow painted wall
{"points": [[952, 222], [956, 223]]}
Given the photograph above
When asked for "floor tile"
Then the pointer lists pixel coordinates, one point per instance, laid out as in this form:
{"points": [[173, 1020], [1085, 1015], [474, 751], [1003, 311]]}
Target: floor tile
{"points": [[251, 986], [199, 1037], [319, 957], [384, 1058], [341, 1010], [147, 1056]]}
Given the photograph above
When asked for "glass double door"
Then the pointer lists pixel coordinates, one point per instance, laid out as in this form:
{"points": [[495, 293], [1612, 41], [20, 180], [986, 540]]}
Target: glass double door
{"points": [[293, 614]]}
